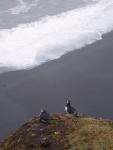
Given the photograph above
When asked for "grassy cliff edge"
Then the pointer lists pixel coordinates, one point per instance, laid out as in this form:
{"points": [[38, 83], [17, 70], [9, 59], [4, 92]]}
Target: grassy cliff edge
{"points": [[65, 132]]}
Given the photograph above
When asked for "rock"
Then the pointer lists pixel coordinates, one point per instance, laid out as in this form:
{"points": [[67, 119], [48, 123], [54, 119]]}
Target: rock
{"points": [[33, 135], [57, 133], [41, 130], [45, 142]]}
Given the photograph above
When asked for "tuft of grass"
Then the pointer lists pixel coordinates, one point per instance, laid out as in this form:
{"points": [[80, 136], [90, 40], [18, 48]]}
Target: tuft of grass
{"points": [[64, 132]]}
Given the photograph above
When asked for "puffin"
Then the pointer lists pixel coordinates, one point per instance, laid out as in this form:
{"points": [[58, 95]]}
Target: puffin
{"points": [[69, 109], [44, 116]]}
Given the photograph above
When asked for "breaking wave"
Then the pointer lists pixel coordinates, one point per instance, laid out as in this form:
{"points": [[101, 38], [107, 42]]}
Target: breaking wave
{"points": [[34, 43]]}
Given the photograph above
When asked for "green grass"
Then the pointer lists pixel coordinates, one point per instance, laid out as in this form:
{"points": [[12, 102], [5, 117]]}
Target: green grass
{"points": [[66, 131]]}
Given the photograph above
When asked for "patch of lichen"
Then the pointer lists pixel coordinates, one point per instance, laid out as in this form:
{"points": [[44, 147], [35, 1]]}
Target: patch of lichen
{"points": [[64, 131]]}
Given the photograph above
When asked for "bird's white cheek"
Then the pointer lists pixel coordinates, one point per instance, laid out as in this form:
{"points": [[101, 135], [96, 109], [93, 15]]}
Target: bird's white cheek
{"points": [[65, 108]]}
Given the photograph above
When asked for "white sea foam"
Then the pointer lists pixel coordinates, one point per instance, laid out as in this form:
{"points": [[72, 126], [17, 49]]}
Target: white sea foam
{"points": [[22, 7], [31, 44]]}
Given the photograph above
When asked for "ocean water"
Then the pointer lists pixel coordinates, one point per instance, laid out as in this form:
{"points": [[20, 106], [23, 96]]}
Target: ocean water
{"points": [[35, 31], [31, 44], [16, 12]]}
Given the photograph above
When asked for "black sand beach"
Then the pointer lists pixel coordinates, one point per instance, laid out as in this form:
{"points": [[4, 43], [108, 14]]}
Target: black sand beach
{"points": [[85, 76]]}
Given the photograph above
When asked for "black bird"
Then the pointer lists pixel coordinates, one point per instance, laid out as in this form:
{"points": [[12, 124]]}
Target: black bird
{"points": [[44, 116], [69, 109]]}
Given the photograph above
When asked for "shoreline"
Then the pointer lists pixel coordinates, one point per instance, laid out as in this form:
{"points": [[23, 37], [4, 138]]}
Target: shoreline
{"points": [[85, 76]]}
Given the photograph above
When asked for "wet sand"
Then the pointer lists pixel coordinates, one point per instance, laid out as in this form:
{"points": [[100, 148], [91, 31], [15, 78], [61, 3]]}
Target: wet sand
{"points": [[85, 76]]}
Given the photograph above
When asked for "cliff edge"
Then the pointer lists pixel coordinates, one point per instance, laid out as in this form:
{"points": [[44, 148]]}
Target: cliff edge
{"points": [[64, 132]]}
